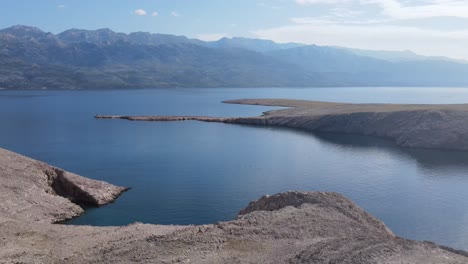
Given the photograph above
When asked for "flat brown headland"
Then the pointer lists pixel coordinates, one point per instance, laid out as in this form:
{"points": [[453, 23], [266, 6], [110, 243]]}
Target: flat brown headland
{"points": [[408, 125]]}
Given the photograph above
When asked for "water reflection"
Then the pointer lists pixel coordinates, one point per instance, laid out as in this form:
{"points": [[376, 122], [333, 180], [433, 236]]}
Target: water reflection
{"points": [[427, 159], [196, 173]]}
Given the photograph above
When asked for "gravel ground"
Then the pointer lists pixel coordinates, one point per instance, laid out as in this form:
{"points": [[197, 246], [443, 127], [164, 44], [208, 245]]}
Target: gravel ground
{"points": [[291, 227]]}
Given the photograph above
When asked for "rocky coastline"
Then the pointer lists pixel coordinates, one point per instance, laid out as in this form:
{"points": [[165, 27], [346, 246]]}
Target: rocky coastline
{"points": [[290, 227], [419, 126]]}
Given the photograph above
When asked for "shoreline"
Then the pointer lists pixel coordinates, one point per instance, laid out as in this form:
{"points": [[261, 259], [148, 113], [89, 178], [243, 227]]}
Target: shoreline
{"points": [[294, 227], [436, 126]]}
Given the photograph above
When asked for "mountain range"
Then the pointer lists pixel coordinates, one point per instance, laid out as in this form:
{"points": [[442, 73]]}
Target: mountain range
{"points": [[103, 59]]}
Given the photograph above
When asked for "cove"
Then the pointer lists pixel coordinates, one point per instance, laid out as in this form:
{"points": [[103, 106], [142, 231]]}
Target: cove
{"points": [[196, 173]]}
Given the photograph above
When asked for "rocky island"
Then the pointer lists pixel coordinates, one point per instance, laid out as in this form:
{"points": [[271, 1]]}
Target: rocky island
{"points": [[408, 125], [290, 227]]}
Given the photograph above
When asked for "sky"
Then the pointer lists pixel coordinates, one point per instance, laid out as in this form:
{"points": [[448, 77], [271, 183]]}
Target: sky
{"points": [[427, 27]]}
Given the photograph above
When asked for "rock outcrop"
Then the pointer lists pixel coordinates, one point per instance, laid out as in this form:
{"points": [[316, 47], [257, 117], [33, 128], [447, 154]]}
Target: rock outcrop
{"points": [[422, 126], [290, 227], [166, 118], [33, 190]]}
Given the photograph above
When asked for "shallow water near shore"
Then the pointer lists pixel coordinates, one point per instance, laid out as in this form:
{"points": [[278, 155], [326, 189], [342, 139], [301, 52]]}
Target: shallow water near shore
{"points": [[197, 173]]}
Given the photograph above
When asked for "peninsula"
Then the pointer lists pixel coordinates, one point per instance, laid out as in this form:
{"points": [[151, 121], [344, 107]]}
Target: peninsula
{"points": [[290, 227], [408, 125]]}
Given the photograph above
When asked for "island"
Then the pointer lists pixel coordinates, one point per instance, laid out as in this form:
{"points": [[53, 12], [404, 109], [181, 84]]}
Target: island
{"points": [[436, 126], [290, 227]]}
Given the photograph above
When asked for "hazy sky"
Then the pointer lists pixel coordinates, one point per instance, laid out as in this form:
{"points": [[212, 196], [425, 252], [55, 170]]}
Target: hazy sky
{"points": [[430, 27]]}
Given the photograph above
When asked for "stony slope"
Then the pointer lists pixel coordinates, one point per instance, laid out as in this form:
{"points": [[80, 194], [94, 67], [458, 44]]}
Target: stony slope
{"points": [[291, 227], [103, 59], [423, 126], [32, 190]]}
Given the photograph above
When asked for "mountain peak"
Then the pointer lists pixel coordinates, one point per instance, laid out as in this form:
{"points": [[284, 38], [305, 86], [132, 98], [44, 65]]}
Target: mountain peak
{"points": [[98, 36], [259, 45], [22, 28], [108, 30], [23, 31]]}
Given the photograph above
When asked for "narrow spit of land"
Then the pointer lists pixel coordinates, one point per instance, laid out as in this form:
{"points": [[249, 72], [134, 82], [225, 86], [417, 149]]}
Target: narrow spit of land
{"points": [[408, 125]]}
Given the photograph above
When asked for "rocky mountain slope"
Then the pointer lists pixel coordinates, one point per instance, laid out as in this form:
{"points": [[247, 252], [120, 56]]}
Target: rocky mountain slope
{"points": [[104, 59]]}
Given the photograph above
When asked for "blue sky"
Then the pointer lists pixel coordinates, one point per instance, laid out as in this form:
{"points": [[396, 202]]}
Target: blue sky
{"points": [[429, 27]]}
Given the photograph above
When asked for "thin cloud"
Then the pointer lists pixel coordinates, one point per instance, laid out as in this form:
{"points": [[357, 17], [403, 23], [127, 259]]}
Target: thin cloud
{"points": [[335, 20], [61, 6], [345, 12], [263, 4], [155, 14], [375, 37], [326, 2], [398, 9], [175, 14], [140, 12]]}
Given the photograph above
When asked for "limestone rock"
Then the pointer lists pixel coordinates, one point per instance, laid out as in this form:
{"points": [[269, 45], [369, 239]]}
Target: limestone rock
{"points": [[291, 227], [422, 126], [32, 190]]}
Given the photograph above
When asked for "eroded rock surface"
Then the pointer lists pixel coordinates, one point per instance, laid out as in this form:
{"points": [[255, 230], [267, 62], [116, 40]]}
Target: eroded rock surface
{"points": [[32, 190], [423, 126], [290, 227]]}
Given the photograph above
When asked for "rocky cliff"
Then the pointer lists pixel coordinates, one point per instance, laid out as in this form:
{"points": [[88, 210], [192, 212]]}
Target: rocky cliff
{"points": [[34, 191], [422, 126], [291, 227]]}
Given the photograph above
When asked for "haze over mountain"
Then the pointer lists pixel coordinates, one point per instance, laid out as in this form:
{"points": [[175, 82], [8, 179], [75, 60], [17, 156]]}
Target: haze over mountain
{"points": [[104, 59]]}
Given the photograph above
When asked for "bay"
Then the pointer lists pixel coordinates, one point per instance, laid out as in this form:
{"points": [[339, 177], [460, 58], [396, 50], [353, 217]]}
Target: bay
{"points": [[199, 173]]}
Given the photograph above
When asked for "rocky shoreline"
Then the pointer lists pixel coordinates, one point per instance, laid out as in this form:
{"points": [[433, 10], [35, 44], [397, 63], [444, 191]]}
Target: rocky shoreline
{"points": [[33, 190], [422, 126], [290, 227]]}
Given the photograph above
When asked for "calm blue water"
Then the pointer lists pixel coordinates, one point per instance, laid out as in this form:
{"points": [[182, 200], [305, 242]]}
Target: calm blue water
{"points": [[195, 173]]}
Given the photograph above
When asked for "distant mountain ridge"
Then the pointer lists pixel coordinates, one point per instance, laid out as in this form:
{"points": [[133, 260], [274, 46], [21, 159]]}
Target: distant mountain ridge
{"points": [[107, 36], [398, 56], [259, 45], [104, 59]]}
